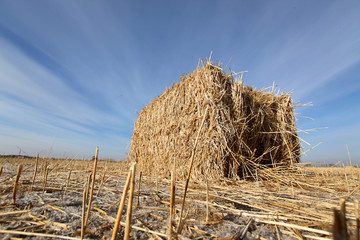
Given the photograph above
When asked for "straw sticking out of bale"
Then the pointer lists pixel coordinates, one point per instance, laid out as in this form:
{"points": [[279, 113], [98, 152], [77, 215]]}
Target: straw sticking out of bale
{"points": [[243, 128]]}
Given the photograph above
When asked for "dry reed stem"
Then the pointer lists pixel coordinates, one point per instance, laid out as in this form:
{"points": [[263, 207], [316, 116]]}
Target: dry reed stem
{"points": [[343, 217], [296, 227], [67, 182], [14, 213], [356, 209], [83, 213], [203, 233], [85, 195], [144, 230], [33, 234], [35, 171], [130, 203], [190, 168], [138, 197], [102, 180], [55, 208], [172, 201], [46, 172], [307, 236], [92, 186], [121, 205], [182, 223], [241, 232], [20, 167], [352, 192], [1, 170], [347, 182], [207, 201], [44, 167], [338, 232]]}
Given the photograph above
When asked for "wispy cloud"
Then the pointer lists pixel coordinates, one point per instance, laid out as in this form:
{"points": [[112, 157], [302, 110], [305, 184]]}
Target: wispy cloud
{"points": [[34, 98], [75, 73], [308, 48]]}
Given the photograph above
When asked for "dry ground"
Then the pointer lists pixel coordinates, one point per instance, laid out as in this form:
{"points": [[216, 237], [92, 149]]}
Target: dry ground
{"points": [[296, 204]]}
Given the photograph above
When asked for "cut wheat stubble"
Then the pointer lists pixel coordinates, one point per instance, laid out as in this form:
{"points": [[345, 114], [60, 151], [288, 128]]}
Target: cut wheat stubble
{"points": [[130, 204], [121, 205], [92, 186], [20, 167]]}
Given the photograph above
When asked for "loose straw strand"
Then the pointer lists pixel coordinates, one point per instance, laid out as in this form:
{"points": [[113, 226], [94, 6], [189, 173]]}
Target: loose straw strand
{"points": [[92, 186], [85, 193], [172, 201], [130, 203], [189, 172], [121, 206], [20, 167], [35, 171]]}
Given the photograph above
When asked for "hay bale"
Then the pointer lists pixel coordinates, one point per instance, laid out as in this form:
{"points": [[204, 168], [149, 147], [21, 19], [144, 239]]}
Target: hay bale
{"points": [[242, 128]]}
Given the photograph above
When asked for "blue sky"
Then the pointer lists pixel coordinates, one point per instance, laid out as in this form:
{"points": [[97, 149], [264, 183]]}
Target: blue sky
{"points": [[74, 74]]}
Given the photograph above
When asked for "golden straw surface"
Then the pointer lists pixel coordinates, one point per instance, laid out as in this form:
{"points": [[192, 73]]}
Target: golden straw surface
{"points": [[243, 129]]}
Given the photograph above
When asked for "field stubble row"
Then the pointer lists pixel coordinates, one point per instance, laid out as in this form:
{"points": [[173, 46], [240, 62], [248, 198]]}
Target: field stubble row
{"points": [[280, 204]]}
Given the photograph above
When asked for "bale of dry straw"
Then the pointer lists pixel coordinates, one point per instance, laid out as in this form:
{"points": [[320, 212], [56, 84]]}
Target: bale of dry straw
{"points": [[242, 128]]}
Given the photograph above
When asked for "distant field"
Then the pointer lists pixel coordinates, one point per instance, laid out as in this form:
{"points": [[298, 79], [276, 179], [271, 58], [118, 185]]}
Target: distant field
{"points": [[283, 204]]}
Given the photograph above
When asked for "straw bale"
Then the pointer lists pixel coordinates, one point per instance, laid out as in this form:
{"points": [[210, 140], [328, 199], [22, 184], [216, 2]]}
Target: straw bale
{"points": [[242, 129]]}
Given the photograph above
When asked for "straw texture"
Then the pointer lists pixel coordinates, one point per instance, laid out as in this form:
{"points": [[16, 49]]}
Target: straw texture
{"points": [[243, 129]]}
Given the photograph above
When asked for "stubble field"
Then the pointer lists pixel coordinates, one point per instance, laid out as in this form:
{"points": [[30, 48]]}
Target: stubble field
{"points": [[52, 198]]}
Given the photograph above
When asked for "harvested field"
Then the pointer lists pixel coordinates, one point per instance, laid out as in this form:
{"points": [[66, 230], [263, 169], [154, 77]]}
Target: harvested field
{"points": [[296, 203]]}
